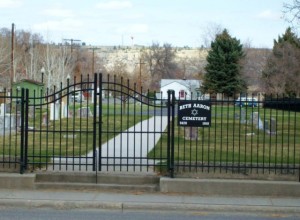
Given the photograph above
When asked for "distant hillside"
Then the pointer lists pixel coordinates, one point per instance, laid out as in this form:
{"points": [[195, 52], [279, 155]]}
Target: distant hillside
{"points": [[131, 55], [192, 60]]}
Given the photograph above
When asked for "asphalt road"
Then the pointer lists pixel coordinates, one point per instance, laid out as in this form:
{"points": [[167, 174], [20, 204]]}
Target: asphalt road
{"points": [[49, 214]]}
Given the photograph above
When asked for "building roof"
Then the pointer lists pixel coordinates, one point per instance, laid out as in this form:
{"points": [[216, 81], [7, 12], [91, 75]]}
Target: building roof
{"points": [[193, 84], [29, 81]]}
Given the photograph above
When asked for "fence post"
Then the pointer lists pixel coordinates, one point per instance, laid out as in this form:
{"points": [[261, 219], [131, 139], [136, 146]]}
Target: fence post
{"points": [[24, 130], [95, 124], [172, 133], [100, 122], [171, 128]]}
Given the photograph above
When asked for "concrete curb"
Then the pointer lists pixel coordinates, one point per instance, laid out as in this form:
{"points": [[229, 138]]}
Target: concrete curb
{"points": [[62, 204], [209, 208], [131, 206], [230, 187]]}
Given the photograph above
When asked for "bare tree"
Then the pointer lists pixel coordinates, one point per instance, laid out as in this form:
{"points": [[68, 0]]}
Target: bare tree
{"points": [[141, 76], [83, 63], [253, 64], [4, 57], [192, 67], [59, 65], [282, 69], [118, 74], [210, 32], [28, 53], [118, 69], [31, 54], [292, 12], [160, 62], [281, 74]]}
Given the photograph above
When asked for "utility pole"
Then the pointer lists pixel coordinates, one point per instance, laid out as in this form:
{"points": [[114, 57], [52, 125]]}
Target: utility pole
{"points": [[140, 77], [72, 41], [12, 54], [93, 61]]}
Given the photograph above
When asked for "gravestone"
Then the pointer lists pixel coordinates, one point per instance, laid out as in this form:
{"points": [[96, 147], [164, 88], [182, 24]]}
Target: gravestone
{"points": [[45, 120], [266, 126], [31, 112], [243, 116], [191, 133], [64, 110], [9, 123], [2, 109], [255, 119], [270, 128], [7, 108], [70, 113], [84, 112], [54, 111], [2, 125], [273, 126], [236, 116], [70, 136], [18, 120]]}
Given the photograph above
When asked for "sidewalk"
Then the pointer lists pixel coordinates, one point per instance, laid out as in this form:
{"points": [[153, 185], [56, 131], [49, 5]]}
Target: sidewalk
{"points": [[58, 199], [129, 147]]}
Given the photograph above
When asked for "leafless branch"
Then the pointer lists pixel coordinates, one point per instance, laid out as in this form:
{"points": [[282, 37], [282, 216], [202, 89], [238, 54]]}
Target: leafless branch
{"points": [[292, 11]]}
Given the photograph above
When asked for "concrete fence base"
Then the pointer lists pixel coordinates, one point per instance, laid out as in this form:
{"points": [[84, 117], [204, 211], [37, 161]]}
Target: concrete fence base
{"points": [[204, 187], [230, 187], [17, 181]]}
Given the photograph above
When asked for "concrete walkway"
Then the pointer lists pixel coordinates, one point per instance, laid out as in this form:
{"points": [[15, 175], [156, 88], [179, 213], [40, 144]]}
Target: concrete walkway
{"points": [[138, 140], [128, 148], [58, 199]]}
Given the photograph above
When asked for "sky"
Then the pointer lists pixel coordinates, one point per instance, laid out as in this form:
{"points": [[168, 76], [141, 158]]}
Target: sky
{"points": [[143, 22]]}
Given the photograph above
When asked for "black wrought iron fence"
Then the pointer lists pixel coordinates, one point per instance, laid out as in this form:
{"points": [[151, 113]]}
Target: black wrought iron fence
{"points": [[105, 124], [11, 129], [249, 135]]}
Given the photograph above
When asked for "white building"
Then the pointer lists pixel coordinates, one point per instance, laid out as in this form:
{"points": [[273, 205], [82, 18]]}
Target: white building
{"points": [[184, 89]]}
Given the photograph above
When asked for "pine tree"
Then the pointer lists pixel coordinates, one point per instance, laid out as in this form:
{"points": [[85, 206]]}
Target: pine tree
{"points": [[288, 37], [223, 67]]}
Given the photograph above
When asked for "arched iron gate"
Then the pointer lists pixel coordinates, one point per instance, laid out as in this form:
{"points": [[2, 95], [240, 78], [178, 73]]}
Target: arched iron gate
{"points": [[97, 125]]}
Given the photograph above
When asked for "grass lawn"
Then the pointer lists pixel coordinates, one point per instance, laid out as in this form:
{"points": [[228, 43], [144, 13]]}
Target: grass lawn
{"points": [[229, 140], [71, 136]]}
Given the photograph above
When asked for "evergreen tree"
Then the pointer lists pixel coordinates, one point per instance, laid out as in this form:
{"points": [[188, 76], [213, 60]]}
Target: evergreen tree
{"points": [[223, 66], [288, 37]]}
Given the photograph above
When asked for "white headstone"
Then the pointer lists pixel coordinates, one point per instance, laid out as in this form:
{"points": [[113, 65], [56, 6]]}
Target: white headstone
{"points": [[54, 111], [257, 121], [2, 109], [8, 123]]}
